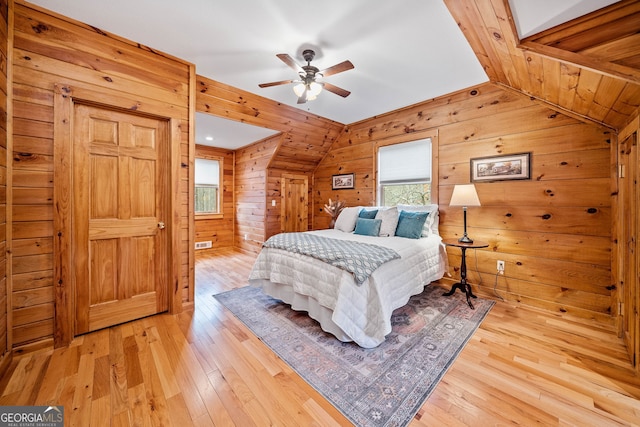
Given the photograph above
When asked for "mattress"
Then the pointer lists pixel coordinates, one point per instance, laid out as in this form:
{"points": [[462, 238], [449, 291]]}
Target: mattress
{"points": [[351, 312]]}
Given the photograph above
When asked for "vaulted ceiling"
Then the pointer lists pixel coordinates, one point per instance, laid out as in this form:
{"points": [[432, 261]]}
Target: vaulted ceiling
{"points": [[589, 66], [404, 52]]}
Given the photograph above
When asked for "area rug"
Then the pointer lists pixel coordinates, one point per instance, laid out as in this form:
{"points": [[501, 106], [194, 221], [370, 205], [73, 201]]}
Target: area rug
{"points": [[382, 386]]}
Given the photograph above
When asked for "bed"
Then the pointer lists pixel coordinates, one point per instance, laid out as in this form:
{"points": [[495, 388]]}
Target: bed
{"points": [[352, 311]]}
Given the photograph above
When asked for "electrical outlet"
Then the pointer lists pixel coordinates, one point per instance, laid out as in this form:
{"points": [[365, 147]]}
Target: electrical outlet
{"points": [[500, 266]]}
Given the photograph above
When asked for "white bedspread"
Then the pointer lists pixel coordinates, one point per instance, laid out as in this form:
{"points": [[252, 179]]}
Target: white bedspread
{"points": [[360, 313]]}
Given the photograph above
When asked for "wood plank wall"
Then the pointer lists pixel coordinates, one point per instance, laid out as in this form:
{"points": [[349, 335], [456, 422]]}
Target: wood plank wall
{"points": [[626, 230], [251, 192], [5, 337], [553, 231], [51, 49], [219, 230], [304, 140]]}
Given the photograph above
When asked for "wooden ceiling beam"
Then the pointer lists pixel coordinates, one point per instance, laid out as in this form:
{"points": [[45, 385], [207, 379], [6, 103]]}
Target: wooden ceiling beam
{"points": [[610, 69]]}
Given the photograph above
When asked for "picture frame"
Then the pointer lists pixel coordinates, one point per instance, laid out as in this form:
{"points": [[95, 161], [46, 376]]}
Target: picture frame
{"points": [[501, 168], [343, 181]]}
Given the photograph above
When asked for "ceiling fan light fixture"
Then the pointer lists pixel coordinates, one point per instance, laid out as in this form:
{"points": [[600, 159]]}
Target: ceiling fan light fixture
{"points": [[299, 89], [314, 89], [306, 87]]}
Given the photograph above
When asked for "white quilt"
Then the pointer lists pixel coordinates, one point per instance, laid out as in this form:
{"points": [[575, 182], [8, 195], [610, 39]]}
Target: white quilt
{"points": [[361, 313]]}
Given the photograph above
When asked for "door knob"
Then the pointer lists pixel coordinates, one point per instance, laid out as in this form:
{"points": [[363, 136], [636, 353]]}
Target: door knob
{"points": [[161, 225]]}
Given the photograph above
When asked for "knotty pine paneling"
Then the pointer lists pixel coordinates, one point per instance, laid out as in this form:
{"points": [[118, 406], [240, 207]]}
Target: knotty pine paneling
{"points": [[626, 230], [553, 231], [304, 140], [250, 192], [6, 335], [49, 50], [587, 66], [219, 230]]}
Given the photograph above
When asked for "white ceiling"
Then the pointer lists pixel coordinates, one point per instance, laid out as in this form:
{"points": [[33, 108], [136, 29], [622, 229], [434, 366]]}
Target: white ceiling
{"points": [[404, 51]]}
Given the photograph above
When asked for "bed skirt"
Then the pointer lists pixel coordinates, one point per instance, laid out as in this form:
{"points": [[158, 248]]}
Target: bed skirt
{"points": [[299, 302]]}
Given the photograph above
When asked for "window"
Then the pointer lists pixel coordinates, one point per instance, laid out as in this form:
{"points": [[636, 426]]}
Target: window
{"points": [[207, 185], [404, 173]]}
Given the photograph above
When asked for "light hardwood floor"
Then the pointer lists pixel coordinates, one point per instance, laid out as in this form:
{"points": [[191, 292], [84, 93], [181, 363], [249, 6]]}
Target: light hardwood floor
{"points": [[204, 368]]}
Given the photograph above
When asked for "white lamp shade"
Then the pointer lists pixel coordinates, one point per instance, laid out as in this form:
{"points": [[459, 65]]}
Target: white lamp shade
{"points": [[464, 195], [299, 89], [315, 88]]}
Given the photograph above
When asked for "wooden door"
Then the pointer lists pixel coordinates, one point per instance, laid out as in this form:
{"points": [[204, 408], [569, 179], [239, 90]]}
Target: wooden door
{"points": [[294, 214], [630, 291], [120, 182]]}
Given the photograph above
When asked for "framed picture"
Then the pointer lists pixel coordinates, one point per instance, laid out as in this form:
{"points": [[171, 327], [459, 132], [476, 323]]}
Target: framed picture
{"points": [[501, 168], [341, 182]]}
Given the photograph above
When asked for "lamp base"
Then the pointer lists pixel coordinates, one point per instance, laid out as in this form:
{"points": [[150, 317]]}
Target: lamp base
{"points": [[465, 239]]}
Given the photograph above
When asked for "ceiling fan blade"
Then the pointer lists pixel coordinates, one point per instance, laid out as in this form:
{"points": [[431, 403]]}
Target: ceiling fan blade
{"points": [[303, 98], [281, 82], [338, 68], [290, 62], [337, 90]]}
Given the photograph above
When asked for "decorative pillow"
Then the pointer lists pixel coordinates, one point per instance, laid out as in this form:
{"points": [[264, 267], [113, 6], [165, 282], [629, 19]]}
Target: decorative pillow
{"points": [[433, 220], [389, 217], [368, 227], [410, 224], [347, 219], [368, 213]]}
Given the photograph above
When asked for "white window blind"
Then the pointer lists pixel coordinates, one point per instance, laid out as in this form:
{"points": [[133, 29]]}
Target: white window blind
{"points": [[406, 162], [207, 172], [207, 186]]}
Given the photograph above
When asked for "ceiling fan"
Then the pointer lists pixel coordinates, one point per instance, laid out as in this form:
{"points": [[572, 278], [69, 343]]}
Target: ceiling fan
{"points": [[307, 86]]}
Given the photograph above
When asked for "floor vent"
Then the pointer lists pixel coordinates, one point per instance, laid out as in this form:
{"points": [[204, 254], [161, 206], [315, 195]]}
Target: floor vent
{"points": [[203, 245]]}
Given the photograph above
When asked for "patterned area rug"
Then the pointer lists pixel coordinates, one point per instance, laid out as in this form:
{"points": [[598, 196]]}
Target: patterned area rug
{"points": [[382, 386]]}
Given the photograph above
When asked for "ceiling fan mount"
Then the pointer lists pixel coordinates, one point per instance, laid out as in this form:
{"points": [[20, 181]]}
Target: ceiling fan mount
{"points": [[310, 72], [308, 55], [307, 86]]}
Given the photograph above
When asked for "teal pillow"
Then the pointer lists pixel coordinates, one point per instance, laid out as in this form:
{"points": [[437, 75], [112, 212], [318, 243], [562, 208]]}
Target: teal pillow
{"points": [[410, 224], [368, 227], [369, 214]]}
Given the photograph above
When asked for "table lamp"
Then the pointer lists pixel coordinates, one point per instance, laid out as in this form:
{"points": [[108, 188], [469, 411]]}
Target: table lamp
{"points": [[464, 195]]}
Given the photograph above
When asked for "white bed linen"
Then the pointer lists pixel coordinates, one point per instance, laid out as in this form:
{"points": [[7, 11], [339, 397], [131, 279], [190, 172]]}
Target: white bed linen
{"points": [[351, 312]]}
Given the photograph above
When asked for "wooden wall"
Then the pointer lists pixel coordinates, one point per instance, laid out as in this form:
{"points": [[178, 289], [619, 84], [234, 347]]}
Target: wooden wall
{"points": [[5, 326], [553, 231], [49, 50], [304, 140], [220, 229], [588, 65], [251, 192], [626, 232]]}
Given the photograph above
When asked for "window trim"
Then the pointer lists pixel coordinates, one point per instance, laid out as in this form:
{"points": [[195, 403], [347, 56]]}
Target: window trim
{"points": [[220, 213], [399, 139]]}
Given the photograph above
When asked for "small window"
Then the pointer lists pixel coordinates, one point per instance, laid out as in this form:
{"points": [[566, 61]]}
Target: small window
{"points": [[207, 186], [404, 173]]}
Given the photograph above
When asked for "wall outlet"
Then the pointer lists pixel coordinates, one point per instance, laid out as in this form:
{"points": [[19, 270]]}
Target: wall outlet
{"points": [[500, 266]]}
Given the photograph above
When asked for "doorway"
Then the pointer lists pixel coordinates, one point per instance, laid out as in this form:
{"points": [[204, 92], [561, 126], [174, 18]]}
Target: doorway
{"points": [[294, 192], [120, 202]]}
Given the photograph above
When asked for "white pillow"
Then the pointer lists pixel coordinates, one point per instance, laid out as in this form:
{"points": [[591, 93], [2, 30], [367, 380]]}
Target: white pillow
{"points": [[389, 217], [347, 219], [433, 220]]}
